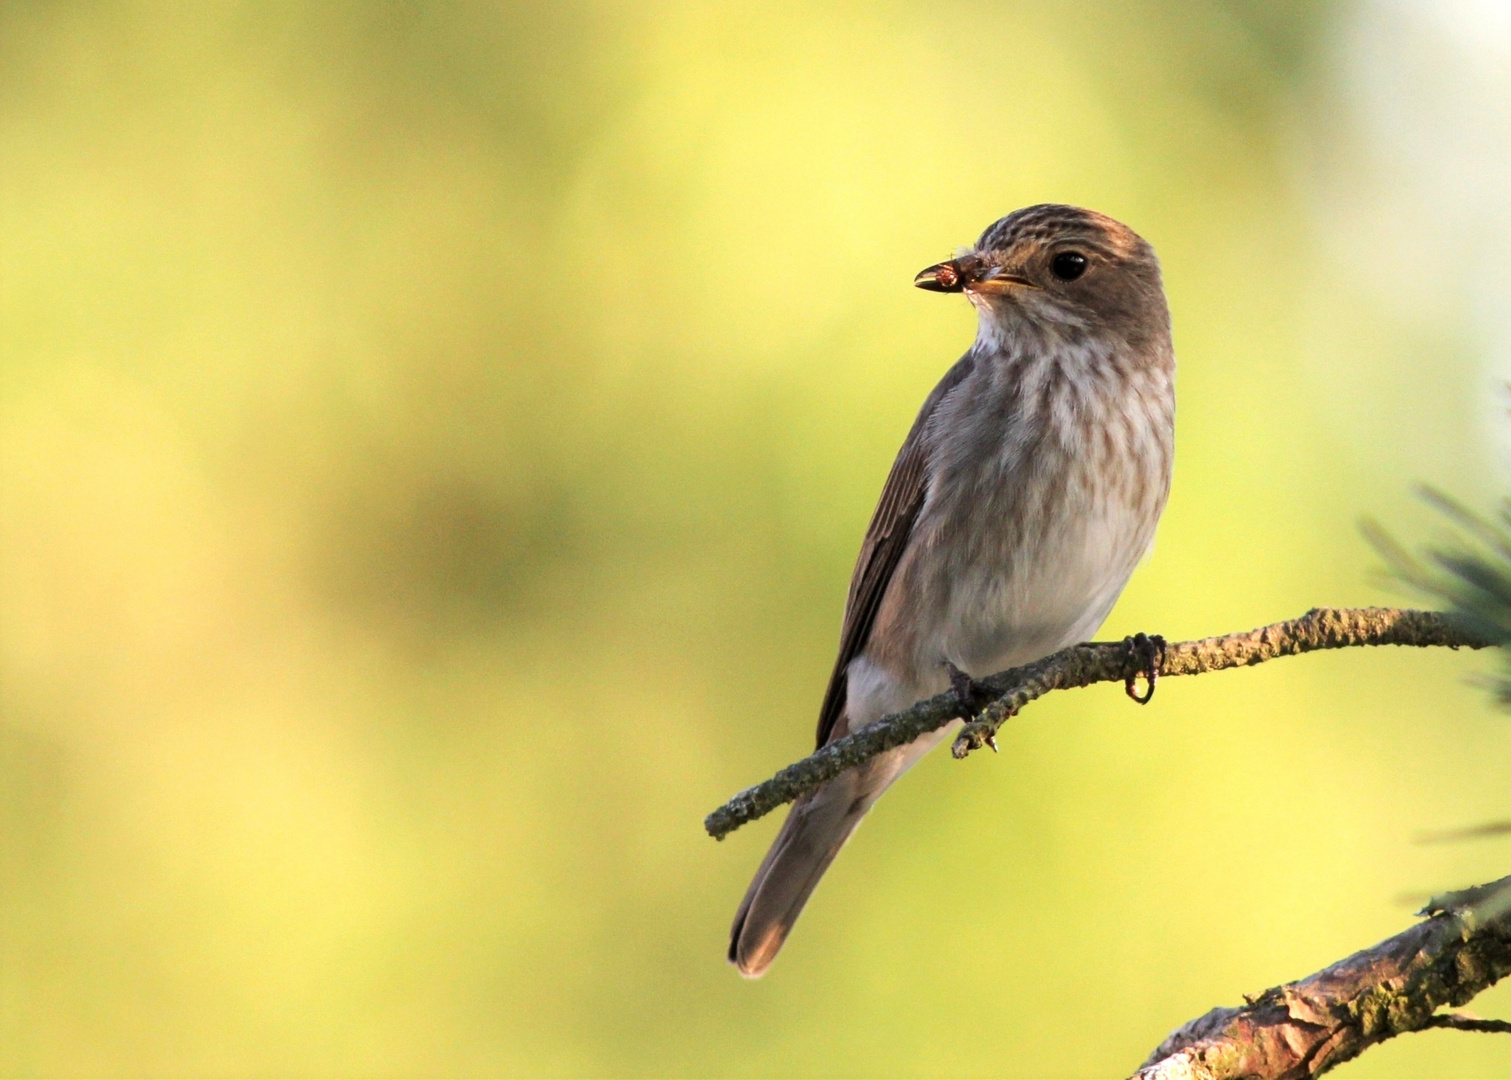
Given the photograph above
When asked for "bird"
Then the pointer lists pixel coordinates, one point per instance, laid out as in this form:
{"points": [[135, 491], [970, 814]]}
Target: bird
{"points": [[1025, 494]]}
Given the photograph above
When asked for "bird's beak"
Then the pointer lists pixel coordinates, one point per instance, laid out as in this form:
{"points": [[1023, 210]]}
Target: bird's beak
{"points": [[998, 282], [967, 275], [942, 277]]}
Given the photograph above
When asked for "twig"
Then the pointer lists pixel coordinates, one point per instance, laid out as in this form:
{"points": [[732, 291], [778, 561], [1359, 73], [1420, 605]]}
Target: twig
{"points": [[1304, 1028], [1083, 665], [1460, 1022], [1471, 832]]}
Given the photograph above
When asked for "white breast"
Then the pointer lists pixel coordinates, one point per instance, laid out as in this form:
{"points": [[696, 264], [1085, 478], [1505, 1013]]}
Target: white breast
{"points": [[1045, 491]]}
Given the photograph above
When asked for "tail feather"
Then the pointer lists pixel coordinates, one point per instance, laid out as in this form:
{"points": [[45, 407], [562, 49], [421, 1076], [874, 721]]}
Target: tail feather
{"points": [[816, 828]]}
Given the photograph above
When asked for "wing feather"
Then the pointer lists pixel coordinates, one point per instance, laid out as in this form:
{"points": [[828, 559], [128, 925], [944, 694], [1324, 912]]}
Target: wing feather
{"points": [[902, 497]]}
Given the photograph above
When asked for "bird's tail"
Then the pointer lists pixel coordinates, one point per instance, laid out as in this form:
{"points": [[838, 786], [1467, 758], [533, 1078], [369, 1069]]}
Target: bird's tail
{"points": [[816, 828]]}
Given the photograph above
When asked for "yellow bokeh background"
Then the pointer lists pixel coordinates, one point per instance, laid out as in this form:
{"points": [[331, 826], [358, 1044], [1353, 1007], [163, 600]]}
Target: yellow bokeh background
{"points": [[433, 444]]}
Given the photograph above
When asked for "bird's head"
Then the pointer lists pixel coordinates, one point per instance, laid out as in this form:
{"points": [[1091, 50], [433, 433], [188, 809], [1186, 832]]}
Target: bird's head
{"points": [[1060, 270]]}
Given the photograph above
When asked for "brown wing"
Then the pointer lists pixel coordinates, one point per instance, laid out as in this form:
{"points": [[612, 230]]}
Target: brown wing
{"points": [[886, 539]]}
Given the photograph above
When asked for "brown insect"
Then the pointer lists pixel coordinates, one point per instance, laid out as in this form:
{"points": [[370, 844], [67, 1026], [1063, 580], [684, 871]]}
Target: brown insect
{"points": [[942, 277]]}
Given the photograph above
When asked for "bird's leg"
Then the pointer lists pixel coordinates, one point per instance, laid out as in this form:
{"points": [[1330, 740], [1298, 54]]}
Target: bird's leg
{"points": [[970, 695], [1148, 650], [972, 700]]}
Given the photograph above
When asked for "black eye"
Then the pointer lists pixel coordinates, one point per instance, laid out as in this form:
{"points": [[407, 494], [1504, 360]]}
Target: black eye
{"points": [[1068, 265]]}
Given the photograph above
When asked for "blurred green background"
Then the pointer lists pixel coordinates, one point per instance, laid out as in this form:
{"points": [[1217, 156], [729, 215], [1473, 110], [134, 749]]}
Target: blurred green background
{"points": [[433, 444]]}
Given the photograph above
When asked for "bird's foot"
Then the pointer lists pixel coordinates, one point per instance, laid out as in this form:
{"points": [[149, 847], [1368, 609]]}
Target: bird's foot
{"points": [[979, 733], [971, 697], [1148, 651], [974, 705]]}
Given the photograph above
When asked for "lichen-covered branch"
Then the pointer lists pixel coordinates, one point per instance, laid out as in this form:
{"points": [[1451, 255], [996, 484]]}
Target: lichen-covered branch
{"points": [[1304, 1028], [1083, 665]]}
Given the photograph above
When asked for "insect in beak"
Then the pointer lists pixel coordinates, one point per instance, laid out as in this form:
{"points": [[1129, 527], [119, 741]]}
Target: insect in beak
{"points": [[942, 277], [967, 275]]}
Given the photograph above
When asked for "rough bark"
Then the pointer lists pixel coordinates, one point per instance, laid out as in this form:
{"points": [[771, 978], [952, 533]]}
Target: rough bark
{"points": [[1304, 1028], [1083, 665]]}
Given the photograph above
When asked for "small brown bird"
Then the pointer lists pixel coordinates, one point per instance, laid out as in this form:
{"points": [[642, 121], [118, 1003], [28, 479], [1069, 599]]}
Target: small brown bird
{"points": [[1026, 492]]}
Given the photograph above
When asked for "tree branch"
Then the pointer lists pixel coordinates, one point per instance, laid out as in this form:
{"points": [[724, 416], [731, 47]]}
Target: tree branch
{"points": [[1304, 1028], [1083, 665], [1460, 1022]]}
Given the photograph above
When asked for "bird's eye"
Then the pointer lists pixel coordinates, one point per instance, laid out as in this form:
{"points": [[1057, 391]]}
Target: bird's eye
{"points": [[1068, 265]]}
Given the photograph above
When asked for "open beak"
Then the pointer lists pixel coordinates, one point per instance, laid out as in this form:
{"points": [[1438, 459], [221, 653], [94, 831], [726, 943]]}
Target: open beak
{"points": [[968, 275], [942, 277]]}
